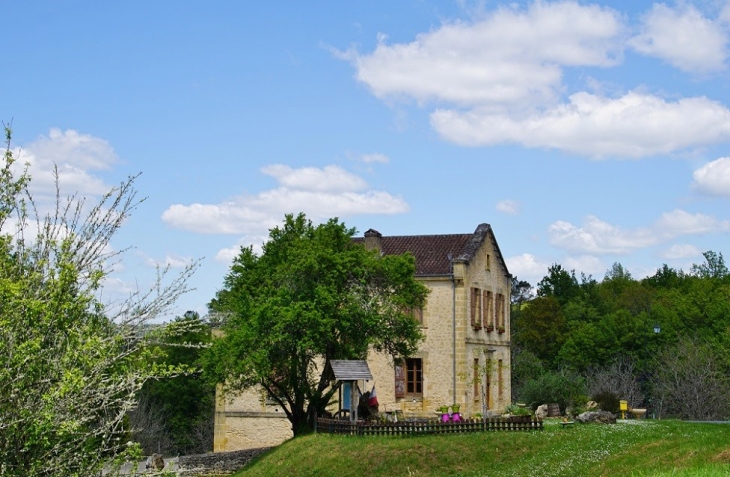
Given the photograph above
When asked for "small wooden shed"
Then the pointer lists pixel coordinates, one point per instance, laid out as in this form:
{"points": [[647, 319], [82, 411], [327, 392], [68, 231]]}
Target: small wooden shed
{"points": [[349, 372]]}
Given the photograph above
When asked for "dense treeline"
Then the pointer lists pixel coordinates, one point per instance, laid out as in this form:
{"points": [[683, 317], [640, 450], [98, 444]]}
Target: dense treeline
{"points": [[661, 342]]}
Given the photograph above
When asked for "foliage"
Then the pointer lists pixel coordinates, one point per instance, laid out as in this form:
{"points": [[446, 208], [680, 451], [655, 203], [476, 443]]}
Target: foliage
{"points": [[184, 404], [541, 328], [521, 292], [312, 295], [633, 448], [563, 387], [525, 368], [559, 284], [691, 381], [714, 266], [517, 410], [585, 325], [70, 367], [620, 378]]}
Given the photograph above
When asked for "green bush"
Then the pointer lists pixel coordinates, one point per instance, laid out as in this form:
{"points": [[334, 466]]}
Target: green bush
{"points": [[562, 387]]}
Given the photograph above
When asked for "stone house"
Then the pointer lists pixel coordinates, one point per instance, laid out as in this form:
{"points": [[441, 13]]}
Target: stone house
{"points": [[464, 358]]}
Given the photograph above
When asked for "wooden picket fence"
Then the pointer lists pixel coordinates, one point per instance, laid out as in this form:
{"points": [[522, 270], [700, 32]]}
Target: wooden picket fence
{"points": [[422, 427]]}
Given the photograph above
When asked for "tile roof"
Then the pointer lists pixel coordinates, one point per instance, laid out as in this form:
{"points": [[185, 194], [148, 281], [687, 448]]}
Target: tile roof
{"points": [[434, 253]]}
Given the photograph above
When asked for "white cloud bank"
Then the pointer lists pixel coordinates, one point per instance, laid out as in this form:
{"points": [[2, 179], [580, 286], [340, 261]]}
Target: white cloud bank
{"points": [[680, 251], [713, 178], [533, 269], [510, 207], [527, 267], [498, 80], [511, 56], [375, 158], [321, 193], [75, 155], [601, 238], [683, 37], [635, 125]]}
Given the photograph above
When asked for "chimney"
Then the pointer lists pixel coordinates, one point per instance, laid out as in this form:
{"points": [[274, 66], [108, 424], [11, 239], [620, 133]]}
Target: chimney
{"points": [[372, 240]]}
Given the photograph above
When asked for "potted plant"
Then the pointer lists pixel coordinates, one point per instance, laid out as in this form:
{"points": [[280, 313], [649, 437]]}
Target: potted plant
{"points": [[519, 413]]}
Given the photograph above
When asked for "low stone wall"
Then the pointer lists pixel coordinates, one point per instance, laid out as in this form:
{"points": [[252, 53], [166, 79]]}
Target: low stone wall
{"points": [[218, 463]]}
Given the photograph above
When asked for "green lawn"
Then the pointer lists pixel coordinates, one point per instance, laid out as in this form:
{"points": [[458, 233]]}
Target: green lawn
{"points": [[635, 448]]}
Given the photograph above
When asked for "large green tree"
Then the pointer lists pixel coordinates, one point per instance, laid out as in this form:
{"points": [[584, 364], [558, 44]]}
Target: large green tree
{"points": [[312, 295], [70, 367]]}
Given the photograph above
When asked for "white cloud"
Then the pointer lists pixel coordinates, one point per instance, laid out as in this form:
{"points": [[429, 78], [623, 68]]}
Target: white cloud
{"points": [[499, 79], [601, 238], [527, 267], [678, 251], [75, 155], [634, 125], [370, 158], [713, 178], [597, 237], [679, 222], [320, 193], [587, 264], [327, 179], [511, 56], [226, 255], [508, 207], [683, 37]]}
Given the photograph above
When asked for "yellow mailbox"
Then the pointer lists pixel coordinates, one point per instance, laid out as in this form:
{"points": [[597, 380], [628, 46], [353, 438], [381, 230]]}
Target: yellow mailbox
{"points": [[623, 407]]}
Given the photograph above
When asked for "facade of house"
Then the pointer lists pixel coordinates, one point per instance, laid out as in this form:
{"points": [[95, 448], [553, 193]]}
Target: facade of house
{"points": [[464, 358]]}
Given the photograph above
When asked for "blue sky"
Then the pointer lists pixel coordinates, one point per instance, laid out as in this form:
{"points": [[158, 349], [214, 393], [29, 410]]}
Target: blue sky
{"points": [[584, 133]]}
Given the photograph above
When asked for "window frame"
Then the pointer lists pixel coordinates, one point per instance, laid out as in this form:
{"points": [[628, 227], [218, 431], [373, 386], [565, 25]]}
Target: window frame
{"points": [[414, 377]]}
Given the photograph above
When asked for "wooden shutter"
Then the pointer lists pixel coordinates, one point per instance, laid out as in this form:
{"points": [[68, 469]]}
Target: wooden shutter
{"points": [[400, 379], [488, 311], [473, 306], [485, 308], [417, 314]]}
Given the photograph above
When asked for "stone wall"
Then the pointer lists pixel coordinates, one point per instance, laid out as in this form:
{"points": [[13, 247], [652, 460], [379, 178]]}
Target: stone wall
{"points": [[220, 463]]}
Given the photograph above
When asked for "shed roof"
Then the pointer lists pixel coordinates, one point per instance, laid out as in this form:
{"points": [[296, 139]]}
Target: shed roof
{"points": [[350, 369]]}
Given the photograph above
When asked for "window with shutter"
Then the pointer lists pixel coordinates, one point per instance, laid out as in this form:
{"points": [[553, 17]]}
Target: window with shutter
{"points": [[417, 314], [414, 377]]}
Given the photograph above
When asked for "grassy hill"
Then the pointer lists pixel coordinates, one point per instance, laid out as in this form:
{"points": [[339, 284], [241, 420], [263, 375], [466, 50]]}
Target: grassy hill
{"points": [[636, 448]]}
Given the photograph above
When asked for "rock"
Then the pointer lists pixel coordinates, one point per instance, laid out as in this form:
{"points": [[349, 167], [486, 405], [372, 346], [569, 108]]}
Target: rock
{"points": [[155, 462], [541, 412], [601, 417], [591, 405]]}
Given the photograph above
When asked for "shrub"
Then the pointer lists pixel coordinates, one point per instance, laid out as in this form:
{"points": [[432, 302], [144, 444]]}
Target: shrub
{"points": [[562, 387]]}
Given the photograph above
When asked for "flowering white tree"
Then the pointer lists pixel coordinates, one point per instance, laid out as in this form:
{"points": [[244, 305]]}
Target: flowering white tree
{"points": [[70, 366]]}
